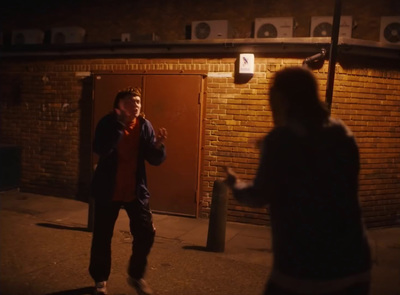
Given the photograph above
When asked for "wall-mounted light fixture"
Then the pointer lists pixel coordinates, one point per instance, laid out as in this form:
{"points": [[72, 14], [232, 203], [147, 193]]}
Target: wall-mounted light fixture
{"points": [[315, 61]]}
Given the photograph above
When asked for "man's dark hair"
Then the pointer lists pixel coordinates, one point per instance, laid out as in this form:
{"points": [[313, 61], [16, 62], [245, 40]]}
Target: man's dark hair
{"points": [[130, 91], [299, 88]]}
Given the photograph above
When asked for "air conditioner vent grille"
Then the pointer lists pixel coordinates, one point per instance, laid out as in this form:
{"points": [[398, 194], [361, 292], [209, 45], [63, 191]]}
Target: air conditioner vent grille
{"points": [[267, 31], [202, 30], [210, 29], [273, 27], [390, 29], [321, 26]]}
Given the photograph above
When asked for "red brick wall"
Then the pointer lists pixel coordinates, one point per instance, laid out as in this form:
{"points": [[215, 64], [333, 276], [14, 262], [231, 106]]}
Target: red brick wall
{"points": [[42, 110], [43, 117], [368, 101]]}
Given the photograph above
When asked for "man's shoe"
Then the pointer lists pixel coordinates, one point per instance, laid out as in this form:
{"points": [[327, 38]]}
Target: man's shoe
{"points": [[140, 285], [100, 288]]}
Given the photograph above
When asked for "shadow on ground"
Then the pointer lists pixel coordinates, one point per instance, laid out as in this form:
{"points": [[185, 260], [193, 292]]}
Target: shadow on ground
{"points": [[197, 248], [60, 226], [79, 291]]}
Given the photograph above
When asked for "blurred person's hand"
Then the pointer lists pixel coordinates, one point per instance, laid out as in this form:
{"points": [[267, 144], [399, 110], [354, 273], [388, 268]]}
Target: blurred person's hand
{"points": [[161, 137], [231, 177]]}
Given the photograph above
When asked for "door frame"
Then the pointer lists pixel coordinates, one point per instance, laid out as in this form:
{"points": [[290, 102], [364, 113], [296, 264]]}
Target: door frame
{"points": [[202, 102]]}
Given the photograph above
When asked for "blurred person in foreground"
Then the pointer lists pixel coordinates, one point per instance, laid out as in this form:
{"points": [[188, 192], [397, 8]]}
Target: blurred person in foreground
{"points": [[124, 140], [308, 175]]}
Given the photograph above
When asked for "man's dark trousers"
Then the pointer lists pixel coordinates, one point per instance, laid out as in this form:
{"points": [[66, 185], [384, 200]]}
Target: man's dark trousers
{"points": [[142, 230]]}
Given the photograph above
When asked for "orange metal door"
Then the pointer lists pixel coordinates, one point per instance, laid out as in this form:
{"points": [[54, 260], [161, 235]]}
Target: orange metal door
{"points": [[173, 102]]}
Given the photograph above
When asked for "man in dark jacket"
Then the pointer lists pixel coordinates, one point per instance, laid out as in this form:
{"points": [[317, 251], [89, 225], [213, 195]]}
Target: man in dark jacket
{"points": [[308, 175], [124, 140]]}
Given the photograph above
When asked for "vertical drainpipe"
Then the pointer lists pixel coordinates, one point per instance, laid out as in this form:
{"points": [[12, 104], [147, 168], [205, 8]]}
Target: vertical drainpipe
{"points": [[333, 53]]}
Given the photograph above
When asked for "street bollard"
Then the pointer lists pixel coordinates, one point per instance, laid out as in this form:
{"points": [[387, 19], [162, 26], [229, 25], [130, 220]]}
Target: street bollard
{"points": [[217, 221]]}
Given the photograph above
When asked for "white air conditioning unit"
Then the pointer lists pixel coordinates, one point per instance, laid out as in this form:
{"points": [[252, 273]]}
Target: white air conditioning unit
{"points": [[22, 37], [321, 26], [273, 27], [210, 29], [63, 35], [390, 30]]}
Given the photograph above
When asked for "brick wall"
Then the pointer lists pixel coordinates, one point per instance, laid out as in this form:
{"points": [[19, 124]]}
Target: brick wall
{"points": [[42, 114], [368, 101], [45, 108]]}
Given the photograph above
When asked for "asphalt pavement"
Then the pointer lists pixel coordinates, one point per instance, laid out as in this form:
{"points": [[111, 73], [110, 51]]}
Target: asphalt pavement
{"points": [[45, 243]]}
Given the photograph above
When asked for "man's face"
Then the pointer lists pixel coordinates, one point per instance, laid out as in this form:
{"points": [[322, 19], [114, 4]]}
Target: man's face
{"points": [[131, 106]]}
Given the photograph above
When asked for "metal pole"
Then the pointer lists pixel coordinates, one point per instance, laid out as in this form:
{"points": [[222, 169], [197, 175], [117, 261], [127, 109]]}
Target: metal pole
{"points": [[333, 53]]}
